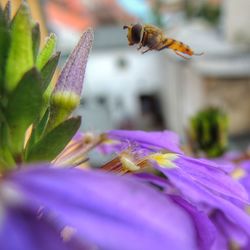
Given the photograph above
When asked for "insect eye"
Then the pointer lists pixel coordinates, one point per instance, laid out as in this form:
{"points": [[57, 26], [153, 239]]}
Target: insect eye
{"points": [[136, 33]]}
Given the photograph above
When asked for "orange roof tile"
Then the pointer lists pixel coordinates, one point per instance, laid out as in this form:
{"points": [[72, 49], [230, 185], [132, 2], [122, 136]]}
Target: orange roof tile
{"points": [[69, 15]]}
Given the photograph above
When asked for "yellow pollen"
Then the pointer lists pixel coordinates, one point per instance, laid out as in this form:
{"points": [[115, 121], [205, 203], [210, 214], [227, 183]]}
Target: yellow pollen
{"points": [[165, 160]]}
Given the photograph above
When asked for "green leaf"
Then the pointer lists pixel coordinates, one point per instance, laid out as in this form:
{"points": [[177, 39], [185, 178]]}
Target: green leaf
{"points": [[23, 108], [48, 70], [37, 132], [42, 125], [7, 11], [55, 141], [46, 52], [36, 38], [4, 45], [20, 57], [6, 159]]}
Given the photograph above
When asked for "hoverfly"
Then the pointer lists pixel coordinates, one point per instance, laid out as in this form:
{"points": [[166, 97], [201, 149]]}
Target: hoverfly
{"points": [[154, 39]]}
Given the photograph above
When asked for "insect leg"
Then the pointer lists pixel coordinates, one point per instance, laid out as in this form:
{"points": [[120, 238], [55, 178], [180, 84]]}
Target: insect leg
{"points": [[143, 40], [152, 47], [140, 46], [186, 58], [143, 52]]}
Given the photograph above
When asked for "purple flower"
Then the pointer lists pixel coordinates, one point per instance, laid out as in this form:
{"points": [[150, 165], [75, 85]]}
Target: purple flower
{"points": [[203, 183], [49, 208], [201, 171]]}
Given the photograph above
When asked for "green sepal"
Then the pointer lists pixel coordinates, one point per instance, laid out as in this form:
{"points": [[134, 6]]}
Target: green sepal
{"points": [[6, 159], [20, 56], [46, 52], [54, 142], [36, 39], [47, 73], [40, 129], [62, 104], [46, 98], [23, 108], [48, 70], [37, 131]]}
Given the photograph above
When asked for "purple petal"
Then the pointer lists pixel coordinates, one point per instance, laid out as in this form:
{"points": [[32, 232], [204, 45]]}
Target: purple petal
{"points": [[204, 227], [200, 196], [205, 230], [246, 165], [22, 229], [229, 231], [156, 180], [166, 140], [225, 165], [210, 175], [110, 211]]}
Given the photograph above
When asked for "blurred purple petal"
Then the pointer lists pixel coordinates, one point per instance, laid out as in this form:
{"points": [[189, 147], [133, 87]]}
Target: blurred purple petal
{"points": [[107, 211], [245, 165], [22, 229]]}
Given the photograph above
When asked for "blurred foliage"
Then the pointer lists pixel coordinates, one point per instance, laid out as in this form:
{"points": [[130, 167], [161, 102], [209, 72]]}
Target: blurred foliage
{"points": [[209, 12], [157, 15], [25, 75], [208, 132]]}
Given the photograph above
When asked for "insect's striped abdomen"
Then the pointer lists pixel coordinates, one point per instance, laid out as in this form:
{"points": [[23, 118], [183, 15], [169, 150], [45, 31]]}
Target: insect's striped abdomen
{"points": [[179, 46]]}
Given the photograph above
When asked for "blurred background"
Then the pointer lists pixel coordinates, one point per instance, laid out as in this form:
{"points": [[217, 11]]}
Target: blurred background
{"points": [[158, 90]]}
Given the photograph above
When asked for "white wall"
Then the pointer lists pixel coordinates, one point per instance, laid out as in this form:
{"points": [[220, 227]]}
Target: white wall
{"points": [[237, 20], [142, 74]]}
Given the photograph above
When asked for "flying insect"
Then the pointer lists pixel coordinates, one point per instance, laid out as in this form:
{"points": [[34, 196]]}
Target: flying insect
{"points": [[153, 38]]}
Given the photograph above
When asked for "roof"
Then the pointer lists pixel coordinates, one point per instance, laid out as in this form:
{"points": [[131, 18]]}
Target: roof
{"points": [[78, 15]]}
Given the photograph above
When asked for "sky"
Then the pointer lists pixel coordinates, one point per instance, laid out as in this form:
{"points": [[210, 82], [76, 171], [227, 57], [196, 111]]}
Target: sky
{"points": [[138, 8]]}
